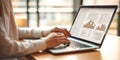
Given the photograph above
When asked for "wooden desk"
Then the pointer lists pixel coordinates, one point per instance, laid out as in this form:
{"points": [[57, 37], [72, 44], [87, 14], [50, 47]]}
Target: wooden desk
{"points": [[110, 50]]}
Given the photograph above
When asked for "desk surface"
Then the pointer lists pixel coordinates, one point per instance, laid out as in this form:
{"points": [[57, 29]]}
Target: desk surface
{"points": [[110, 50]]}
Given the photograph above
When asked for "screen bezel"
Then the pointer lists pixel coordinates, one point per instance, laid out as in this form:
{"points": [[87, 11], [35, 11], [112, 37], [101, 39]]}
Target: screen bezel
{"points": [[95, 6]]}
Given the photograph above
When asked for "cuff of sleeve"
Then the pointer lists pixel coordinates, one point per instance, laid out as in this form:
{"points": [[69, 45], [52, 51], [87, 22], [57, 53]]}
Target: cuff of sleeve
{"points": [[36, 33], [40, 44]]}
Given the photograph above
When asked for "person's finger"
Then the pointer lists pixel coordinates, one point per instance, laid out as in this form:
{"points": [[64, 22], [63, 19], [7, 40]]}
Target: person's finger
{"points": [[65, 41], [57, 35], [66, 33], [62, 30]]}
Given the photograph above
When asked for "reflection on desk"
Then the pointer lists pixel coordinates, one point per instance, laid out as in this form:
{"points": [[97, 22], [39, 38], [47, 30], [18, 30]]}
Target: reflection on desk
{"points": [[110, 50]]}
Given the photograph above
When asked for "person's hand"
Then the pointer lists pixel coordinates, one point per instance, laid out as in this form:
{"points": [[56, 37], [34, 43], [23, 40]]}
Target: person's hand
{"points": [[55, 29], [54, 39]]}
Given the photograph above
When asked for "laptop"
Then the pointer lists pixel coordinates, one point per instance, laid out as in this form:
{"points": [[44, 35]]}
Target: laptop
{"points": [[89, 28]]}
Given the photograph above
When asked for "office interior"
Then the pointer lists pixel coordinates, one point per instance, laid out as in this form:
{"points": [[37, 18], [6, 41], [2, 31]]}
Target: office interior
{"points": [[50, 13]]}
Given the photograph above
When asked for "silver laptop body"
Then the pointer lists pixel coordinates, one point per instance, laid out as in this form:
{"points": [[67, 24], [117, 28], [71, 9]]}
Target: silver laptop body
{"points": [[89, 28]]}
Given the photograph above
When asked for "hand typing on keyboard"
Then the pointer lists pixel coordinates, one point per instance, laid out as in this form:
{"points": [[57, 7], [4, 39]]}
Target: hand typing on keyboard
{"points": [[61, 46]]}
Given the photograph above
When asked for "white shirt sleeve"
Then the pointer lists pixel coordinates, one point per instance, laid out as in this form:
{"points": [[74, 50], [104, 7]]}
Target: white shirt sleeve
{"points": [[29, 33], [13, 48]]}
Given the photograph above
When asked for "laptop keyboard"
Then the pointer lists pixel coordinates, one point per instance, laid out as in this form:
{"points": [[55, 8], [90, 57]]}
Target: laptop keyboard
{"points": [[75, 44]]}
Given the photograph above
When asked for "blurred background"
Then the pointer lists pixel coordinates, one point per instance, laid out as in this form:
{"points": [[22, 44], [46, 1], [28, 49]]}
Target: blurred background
{"points": [[46, 13]]}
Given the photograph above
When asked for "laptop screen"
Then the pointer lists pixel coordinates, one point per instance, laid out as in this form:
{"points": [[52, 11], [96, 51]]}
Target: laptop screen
{"points": [[91, 23]]}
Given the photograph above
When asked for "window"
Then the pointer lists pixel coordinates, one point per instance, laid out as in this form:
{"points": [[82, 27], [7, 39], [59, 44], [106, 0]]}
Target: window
{"points": [[55, 12], [35, 13]]}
